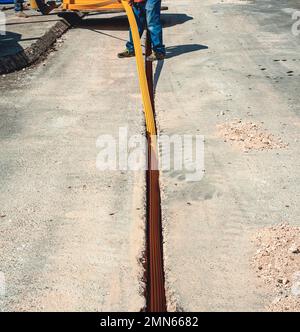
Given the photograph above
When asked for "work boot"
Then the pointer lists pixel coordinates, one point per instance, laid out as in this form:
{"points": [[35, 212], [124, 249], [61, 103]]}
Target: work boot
{"points": [[126, 54], [51, 5], [155, 56]]}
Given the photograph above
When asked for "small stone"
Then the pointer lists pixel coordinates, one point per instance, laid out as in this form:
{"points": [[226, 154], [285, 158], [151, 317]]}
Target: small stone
{"points": [[294, 249], [285, 281], [276, 300]]}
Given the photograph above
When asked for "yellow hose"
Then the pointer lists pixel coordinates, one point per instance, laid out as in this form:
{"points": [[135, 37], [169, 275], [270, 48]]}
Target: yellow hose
{"points": [[150, 124]]}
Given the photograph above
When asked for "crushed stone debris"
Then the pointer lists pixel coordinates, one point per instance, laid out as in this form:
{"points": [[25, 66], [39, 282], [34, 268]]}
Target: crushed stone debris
{"points": [[277, 265], [249, 136]]}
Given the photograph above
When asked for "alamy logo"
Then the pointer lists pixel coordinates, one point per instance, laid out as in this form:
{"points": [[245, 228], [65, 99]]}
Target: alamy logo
{"points": [[178, 154], [2, 24], [296, 25]]}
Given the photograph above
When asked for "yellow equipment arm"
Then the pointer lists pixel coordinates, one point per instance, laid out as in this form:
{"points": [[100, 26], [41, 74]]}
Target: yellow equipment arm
{"points": [[101, 5]]}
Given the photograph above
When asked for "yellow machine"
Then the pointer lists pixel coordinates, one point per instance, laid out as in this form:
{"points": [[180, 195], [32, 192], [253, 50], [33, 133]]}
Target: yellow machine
{"points": [[77, 6], [92, 5]]}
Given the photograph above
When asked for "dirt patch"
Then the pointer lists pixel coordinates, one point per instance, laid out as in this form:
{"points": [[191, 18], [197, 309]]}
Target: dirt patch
{"points": [[277, 265], [249, 136]]}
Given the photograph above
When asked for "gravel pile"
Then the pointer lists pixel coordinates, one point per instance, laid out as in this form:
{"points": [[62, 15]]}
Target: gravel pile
{"points": [[277, 264], [249, 136]]}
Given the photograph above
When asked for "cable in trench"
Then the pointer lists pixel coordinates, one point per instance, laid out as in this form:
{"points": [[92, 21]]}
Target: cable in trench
{"points": [[156, 298]]}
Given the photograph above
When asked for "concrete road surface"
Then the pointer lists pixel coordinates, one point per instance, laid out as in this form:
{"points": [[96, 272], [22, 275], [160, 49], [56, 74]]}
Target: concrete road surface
{"points": [[230, 60], [72, 236]]}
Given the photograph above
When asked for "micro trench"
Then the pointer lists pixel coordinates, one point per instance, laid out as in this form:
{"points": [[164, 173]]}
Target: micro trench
{"points": [[155, 284], [155, 289]]}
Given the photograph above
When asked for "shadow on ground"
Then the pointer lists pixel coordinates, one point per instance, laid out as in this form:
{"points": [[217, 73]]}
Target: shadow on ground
{"points": [[9, 43], [173, 51], [120, 23]]}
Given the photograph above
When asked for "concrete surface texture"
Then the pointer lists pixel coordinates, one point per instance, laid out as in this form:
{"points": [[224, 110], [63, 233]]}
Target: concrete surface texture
{"points": [[71, 236], [231, 60]]}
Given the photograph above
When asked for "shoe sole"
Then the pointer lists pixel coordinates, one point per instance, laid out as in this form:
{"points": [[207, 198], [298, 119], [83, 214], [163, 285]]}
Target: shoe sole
{"points": [[126, 56]]}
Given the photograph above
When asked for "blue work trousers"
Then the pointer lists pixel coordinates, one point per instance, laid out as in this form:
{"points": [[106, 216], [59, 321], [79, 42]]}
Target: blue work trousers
{"points": [[19, 5], [147, 14]]}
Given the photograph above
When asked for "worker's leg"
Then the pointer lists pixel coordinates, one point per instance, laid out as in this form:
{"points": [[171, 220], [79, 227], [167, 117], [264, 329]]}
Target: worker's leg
{"points": [[19, 5], [155, 26], [140, 16], [45, 8]]}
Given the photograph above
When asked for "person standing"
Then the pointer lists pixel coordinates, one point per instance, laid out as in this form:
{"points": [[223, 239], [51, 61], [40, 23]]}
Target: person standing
{"points": [[147, 14], [19, 8]]}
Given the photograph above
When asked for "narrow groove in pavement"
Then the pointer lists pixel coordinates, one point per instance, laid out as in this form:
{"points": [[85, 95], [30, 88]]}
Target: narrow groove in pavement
{"points": [[156, 297]]}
